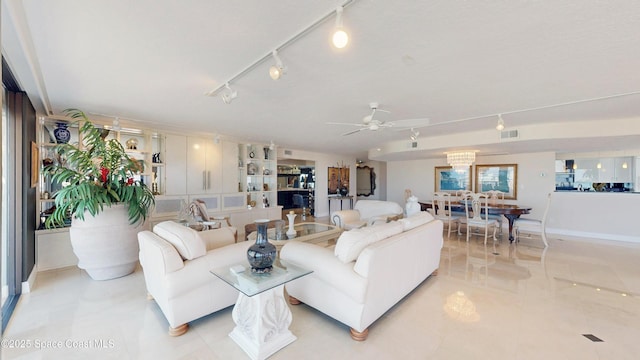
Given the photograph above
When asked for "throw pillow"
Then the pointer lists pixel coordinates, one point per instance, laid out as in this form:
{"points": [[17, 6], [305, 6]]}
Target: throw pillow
{"points": [[184, 239], [351, 243]]}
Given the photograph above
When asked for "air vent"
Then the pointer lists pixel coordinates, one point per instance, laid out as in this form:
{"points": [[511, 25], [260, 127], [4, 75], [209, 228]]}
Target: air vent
{"points": [[508, 134], [414, 144], [288, 152]]}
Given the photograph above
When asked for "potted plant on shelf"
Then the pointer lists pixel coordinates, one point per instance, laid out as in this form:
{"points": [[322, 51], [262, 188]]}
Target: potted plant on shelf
{"points": [[106, 205]]}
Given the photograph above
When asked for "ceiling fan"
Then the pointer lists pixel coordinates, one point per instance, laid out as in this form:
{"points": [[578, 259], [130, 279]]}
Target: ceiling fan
{"points": [[370, 123]]}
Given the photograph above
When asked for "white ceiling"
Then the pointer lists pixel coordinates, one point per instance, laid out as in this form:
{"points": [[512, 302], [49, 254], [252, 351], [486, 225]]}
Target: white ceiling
{"points": [[447, 60]]}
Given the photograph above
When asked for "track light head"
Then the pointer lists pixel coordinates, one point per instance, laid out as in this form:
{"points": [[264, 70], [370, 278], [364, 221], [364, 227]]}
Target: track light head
{"points": [[116, 125], [340, 37], [272, 145], [414, 134], [500, 125], [278, 69], [231, 94]]}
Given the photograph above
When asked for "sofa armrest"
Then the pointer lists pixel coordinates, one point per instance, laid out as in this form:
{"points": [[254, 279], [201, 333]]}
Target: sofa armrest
{"points": [[157, 256], [326, 267], [217, 238], [343, 217], [197, 272]]}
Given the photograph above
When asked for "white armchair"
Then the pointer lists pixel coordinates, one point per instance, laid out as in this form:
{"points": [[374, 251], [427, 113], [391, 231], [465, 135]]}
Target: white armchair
{"points": [[366, 213], [176, 261]]}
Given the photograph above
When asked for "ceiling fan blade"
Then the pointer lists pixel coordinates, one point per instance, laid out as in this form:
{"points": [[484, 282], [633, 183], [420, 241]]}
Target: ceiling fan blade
{"points": [[354, 131], [337, 123]]}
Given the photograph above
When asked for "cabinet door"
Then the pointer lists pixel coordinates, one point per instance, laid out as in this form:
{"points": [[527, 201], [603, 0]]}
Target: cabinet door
{"points": [[623, 167], [230, 157], [213, 167], [606, 170], [196, 165], [175, 165]]}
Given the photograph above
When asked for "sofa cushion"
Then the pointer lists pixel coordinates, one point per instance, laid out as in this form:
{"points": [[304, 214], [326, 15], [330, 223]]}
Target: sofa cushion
{"points": [[416, 220], [351, 243], [184, 239]]}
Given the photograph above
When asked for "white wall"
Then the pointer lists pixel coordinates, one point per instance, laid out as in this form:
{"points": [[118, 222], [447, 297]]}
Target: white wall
{"points": [[536, 178]]}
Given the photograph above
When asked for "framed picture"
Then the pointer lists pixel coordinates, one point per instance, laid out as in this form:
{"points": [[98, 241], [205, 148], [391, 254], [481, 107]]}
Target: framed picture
{"points": [[498, 177], [35, 164], [449, 180]]}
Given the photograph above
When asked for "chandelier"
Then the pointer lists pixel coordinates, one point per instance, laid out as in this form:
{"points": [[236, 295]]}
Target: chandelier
{"points": [[461, 160]]}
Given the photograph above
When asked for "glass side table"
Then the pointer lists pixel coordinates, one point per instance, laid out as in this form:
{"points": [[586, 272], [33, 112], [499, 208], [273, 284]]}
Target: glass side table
{"points": [[261, 308]]}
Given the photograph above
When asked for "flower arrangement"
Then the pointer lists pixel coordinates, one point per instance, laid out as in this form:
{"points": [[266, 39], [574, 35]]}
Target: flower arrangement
{"points": [[96, 173]]}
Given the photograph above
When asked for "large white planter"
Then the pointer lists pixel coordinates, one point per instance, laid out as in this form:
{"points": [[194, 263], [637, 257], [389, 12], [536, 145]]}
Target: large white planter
{"points": [[106, 245]]}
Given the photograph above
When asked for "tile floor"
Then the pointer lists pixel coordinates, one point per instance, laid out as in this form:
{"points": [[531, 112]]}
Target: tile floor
{"points": [[493, 302]]}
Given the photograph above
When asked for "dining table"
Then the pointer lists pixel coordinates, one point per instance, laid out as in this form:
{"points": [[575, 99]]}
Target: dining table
{"points": [[510, 211]]}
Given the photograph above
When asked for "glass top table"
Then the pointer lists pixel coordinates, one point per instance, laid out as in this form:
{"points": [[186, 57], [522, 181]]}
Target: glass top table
{"points": [[251, 284], [308, 232]]}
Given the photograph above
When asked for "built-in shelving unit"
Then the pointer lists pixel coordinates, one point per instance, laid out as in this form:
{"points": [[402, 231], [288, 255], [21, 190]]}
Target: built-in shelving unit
{"points": [[258, 167]]}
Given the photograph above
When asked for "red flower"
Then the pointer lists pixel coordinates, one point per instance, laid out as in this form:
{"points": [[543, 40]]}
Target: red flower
{"points": [[130, 181], [103, 174]]}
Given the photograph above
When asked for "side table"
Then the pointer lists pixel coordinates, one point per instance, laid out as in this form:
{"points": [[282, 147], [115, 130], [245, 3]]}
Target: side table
{"points": [[261, 313]]}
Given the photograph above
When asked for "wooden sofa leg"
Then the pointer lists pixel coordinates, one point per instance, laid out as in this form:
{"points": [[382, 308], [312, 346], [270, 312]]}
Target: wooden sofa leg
{"points": [[435, 272], [294, 301], [179, 330], [359, 336]]}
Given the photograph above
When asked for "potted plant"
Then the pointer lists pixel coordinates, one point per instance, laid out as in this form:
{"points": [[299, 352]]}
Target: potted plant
{"points": [[106, 205]]}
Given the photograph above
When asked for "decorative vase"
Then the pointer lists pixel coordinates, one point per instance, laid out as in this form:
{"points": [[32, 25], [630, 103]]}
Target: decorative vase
{"points": [[106, 245], [266, 153], [291, 233], [344, 191], [261, 254], [61, 133]]}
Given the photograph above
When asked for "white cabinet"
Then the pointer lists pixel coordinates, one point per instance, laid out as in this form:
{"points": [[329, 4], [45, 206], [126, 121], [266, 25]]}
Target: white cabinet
{"points": [[175, 165], [230, 163], [623, 169], [615, 170], [204, 166]]}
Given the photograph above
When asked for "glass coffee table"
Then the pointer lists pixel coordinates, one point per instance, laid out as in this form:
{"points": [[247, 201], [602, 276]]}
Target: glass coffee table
{"points": [[261, 313], [315, 233]]}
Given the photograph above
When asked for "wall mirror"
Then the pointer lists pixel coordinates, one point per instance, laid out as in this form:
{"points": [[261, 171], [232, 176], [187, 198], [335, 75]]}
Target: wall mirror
{"points": [[365, 181]]}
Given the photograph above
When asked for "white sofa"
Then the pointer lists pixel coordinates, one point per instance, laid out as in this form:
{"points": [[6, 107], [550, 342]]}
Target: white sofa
{"points": [[366, 212], [176, 261], [368, 272]]}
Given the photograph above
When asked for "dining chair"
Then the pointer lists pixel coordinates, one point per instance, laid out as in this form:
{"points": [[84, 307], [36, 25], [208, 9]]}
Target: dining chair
{"points": [[496, 197], [459, 196], [474, 205], [441, 210], [533, 225]]}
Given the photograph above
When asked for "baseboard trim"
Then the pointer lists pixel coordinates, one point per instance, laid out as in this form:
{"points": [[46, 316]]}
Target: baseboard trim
{"points": [[31, 280], [597, 236]]}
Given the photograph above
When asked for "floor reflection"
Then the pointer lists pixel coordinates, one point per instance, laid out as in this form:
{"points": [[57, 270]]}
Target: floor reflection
{"points": [[497, 264]]}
